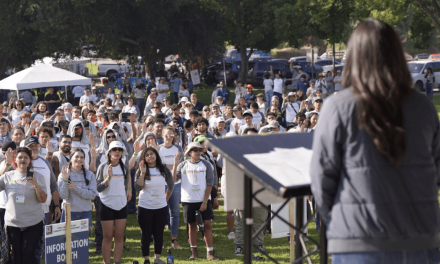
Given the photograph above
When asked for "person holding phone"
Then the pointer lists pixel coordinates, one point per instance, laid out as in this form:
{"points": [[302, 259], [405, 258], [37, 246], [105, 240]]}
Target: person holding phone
{"points": [[77, 186], [151, 177], [114, 187], [24, 213]]}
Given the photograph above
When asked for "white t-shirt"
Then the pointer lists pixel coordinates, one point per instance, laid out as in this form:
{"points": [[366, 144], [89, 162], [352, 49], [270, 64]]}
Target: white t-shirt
{"points": [[86, 148], [114, 195], [338, 86], [85, 99], [320, 85], [257, 119], [94, 98], [240, 122], [262, 108], [117, 103], [41, 167], [278, 85], [43, 152], [193, 182], [152, 196], [161, 96], [111, 96], [39, 118], [291, 110], [268, 84], [167, 156], [78, 91], [15, 116], [183, 93], [3, 196], [239, 93]]}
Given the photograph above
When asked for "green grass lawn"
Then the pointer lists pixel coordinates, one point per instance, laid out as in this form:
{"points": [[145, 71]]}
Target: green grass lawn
{"points": [[224, 248]]}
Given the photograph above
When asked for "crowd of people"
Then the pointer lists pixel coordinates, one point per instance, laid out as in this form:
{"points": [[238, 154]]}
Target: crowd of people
{"points": [[140, 150]]}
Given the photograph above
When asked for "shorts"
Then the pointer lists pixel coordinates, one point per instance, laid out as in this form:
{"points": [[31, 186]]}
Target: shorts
{"points": [[108, 214], [189, 212]]}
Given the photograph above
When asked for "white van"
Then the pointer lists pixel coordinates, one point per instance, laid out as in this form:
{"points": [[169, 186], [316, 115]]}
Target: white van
{"points": [[418, 71]]}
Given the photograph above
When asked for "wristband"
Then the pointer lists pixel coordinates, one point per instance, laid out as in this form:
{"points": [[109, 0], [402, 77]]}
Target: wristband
{"points": [[205, 201], [135, 154], [138, 135], [7, 165], [65, 181], [129, 188]]}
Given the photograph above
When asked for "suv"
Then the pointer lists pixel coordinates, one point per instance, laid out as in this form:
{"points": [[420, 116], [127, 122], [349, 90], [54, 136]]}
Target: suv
{"points": [[423, 56], [418, 71], [209, 73], [232, 72], [259, 68], [307, 66]]}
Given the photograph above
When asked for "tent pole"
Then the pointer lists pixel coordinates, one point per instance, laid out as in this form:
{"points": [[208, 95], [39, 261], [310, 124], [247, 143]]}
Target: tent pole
{"points": [[65, 92], [18, 95]]}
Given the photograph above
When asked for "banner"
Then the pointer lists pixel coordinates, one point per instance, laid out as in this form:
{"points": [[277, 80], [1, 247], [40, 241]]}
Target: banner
{"points": [[55, 241], [195, 77]]}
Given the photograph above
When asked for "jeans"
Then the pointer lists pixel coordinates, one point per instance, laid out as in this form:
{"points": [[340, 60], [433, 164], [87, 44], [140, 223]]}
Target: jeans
{"points": [[24, 242], [132, 203], [2, 218], [78, 216], [140, 105], [39, 247], [280, 99], [390, 257], [429, 90], [269, 95], [173, 216], [98, 227], [152, 222]]}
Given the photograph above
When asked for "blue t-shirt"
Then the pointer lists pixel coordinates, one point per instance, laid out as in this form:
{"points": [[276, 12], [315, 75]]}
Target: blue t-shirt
{"points": [[177, 83], [225, 94], [302, 86]]}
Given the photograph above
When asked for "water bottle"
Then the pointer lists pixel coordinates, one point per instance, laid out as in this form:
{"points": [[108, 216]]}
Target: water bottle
{"points": [[200, 223], [170, 257]]}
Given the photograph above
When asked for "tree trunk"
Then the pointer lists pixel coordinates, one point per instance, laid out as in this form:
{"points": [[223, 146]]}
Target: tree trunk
{"points": [[4, 60]]}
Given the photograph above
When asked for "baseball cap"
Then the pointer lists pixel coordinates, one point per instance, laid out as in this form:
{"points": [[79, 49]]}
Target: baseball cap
{"points": [[247, 114], [220, 119], [318, 98], [214, 105], [338, 71], [273, 124], [184, 99], [194, 145], [220, 97], [260, 95], [291, 94], [219, 85], [67, 106], [7, 145], [87, 89], [237, 108], [205, 107], [31, 140], [133, 111]]}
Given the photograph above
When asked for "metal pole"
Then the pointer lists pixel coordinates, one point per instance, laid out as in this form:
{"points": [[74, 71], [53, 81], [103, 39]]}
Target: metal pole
{"points": [[323, 252], [248, 220], [313, 62], [299, 222], [224, 71]]}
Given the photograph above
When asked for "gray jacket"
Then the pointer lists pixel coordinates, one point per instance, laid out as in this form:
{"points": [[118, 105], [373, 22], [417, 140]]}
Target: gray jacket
{"points": [[368, 204]]}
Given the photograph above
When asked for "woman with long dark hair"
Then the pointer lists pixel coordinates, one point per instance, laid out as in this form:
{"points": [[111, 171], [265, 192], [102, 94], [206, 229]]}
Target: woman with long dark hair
{"points": [[39, 110], [16, 112], [77, 186], [376, 158], [114, 187], [151, 177], [126, 90]]}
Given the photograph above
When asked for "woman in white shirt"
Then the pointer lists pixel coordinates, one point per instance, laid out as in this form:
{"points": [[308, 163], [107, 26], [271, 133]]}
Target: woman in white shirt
{"points": [[151, 177], [338, 81], [118, 102], [16, 112], [94, 97], [110, 94], [240, 92], [268, 88], [114, 187], [41, 108]]}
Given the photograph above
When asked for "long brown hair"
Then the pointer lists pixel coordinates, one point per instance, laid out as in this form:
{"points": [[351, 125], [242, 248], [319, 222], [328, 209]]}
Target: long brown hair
{"points": [[72, 153], [376, 69]]}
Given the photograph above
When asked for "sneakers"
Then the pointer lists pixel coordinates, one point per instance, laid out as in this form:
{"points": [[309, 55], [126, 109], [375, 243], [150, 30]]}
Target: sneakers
{"points": [[210, 255], [175, 245], [238, 251], [194, 254], [231, 236], [261, 248], [257, 257], [159, 261]]}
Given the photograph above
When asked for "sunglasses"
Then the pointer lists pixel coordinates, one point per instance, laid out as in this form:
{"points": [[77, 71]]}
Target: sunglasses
{"points": [[78, 128], [155, 107], [67, 142], [197, 150], [77, 111], [206, 110], [165, 100], [118, 149], [111, 136], [25, 148]]}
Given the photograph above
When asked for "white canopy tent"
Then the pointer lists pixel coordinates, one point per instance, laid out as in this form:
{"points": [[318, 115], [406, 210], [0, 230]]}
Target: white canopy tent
{"points": [[40, 76]]}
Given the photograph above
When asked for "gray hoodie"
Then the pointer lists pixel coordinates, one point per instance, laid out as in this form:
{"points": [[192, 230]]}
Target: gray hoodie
{"points": [[368, 204], [71, 131], [80, 199]]}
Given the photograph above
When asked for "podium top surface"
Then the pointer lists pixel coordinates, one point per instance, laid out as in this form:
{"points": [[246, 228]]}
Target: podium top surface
{"points": [[233, 149]]}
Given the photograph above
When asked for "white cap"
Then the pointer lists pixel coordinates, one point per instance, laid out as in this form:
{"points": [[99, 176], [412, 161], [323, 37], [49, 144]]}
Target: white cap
{"points": [[184, 99], [220, 119], [117, 144], [133, 111]]}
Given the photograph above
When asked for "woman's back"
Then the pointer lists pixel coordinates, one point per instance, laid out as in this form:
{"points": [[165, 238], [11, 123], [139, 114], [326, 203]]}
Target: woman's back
{"points": [[374, 205]]}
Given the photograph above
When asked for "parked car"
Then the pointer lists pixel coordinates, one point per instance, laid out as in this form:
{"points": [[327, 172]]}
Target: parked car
{"points": [[338, 67], [423, 56], [209, 73], [418, 71], [105, 70], [409, 57], [259, 68], [307, 66], [434, 57], [232, 72]]}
